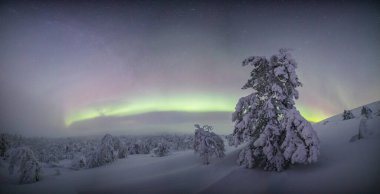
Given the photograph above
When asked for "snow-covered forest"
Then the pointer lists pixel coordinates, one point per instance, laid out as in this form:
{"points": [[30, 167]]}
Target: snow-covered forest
{"points": [[64, 168], [53, 150]]}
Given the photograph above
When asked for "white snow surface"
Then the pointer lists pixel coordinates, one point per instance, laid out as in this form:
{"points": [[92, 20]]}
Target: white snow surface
{"points": [[343, 167]]}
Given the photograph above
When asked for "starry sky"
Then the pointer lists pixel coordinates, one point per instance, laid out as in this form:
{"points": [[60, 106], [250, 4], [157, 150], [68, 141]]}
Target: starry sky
{"points": [[86, 67]]}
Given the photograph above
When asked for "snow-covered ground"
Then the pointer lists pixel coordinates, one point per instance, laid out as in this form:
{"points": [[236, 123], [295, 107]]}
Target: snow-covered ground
{"points": [[343, 167]]}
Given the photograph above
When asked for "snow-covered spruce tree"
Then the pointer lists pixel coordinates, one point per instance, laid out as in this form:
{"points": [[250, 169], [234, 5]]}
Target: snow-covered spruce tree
{"points": [[366, 112], [207, 143], [23, 161], [347, 114], [276, 132], [162, 149]]}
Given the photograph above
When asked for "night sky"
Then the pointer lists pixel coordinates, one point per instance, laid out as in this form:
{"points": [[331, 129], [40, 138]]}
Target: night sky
{"points": [[86, 67]]}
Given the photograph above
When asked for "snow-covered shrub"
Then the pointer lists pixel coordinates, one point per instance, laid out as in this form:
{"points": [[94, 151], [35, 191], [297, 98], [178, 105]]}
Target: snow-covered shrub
{"points": [[122, 152], [207, 143], [378, 113], [230, 139], [277, 133], [366, 112], [347, 114], [133, 148], [104, 154], [140, 146], [78, 162], [23, 161], [162, 149]]}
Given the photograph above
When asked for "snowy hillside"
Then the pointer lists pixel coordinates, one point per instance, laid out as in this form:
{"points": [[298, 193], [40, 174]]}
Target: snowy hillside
{"points": [[343, 167], [375, 106]]}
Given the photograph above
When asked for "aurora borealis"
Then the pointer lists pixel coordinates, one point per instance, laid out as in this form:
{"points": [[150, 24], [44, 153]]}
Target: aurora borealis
{"points": [[187, 103], [92, 66]]}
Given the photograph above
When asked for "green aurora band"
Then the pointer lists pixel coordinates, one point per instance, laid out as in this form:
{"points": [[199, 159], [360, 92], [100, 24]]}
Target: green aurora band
{"points": [[209, 103], [185, 103]]}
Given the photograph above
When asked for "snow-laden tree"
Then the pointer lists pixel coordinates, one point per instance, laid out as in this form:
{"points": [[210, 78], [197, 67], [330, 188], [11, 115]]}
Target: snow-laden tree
{"points": [[107, 152], [104, 154], [366, 112], [347, 114], [207, 143], [23, 161], [162, 149], [276, 132]]}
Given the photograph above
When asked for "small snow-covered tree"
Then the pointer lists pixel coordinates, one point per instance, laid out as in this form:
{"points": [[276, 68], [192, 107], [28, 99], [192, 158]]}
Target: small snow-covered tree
{"points": [[104, 154], [276, 132], [363, 131], [162, 149], [120, 148], [122, 152], [366, 112], [347, 114], [207, 143], [107, 152], [23, 161], [4, 144]]}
